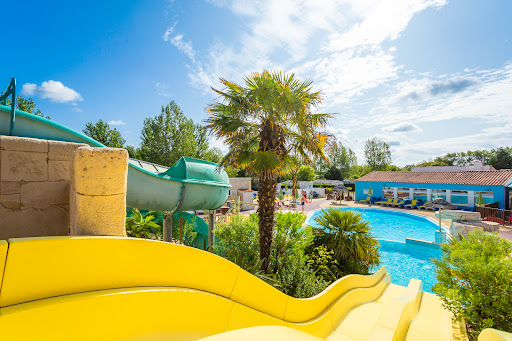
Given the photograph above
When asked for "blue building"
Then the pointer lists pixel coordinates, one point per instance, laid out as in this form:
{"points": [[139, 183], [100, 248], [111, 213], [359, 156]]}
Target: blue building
{"points": [[461, 188]]}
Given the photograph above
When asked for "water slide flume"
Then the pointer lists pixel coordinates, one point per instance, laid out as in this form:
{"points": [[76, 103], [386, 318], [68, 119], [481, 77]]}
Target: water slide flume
{"points": [[190, 184]]}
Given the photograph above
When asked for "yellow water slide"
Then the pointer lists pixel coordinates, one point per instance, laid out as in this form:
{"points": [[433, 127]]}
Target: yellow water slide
{"points": [[115, 288]]}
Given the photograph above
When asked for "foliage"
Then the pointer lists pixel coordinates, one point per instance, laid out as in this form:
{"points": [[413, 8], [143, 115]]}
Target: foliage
{"points": [[341, 158], [140, 226], [348, 235], [238, 241], [26, 105], [501, 158], [268, 125], [377, 154], [324, 264], [290, 239], [189, 234], [474, 281], [232, 171], [306, 173], [171, 135], [298, 279], [101, 132]]}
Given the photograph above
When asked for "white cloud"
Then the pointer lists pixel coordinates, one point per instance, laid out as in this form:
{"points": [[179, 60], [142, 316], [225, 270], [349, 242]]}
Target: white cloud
{"points": [[55, 91], [179, 42], [162, 89], [401, 127], [116, 123]]}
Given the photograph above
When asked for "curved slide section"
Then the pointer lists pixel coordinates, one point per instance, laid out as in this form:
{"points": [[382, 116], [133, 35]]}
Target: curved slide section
{"points": [[116, 294], [190, 184]]}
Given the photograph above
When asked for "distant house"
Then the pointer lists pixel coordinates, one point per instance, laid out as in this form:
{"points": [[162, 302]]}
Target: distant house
{"points": [[461, 188]]}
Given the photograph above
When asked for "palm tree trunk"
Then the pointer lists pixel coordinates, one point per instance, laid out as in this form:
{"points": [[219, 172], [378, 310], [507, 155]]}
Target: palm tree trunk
{"points": [[266, 198]]}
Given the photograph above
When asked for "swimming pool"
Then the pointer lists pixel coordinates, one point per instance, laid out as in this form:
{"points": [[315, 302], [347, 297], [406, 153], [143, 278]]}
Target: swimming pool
{"points": [[403, 260]]}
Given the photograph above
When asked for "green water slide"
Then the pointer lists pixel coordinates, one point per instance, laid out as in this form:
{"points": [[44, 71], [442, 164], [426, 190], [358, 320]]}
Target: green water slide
{"points": [[190, 184]]}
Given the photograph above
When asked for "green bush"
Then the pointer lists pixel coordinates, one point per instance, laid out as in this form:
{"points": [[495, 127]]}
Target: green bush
{"points": [[306, 173], [348, 236], [322, 261], [143, 226], [238, 241], [474, 281]]}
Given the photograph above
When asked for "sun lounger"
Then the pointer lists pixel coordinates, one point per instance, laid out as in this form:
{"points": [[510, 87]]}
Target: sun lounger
{"points": [[403, 203], [392, 203], [384, 202], [413, 203], [367, 200]]}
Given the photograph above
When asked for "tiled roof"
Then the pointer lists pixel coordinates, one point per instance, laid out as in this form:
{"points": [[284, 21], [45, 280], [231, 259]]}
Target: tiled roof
{"points": [[484, 178]]}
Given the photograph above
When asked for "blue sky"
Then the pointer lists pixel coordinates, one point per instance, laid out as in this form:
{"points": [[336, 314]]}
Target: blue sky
{"points": [[427, 76]]}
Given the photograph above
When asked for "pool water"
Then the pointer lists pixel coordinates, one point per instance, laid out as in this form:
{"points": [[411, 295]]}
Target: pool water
{"points": [[403, 260]]}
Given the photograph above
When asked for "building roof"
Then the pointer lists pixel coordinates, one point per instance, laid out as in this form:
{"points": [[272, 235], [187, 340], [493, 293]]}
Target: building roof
{"points": [[484, 178]]}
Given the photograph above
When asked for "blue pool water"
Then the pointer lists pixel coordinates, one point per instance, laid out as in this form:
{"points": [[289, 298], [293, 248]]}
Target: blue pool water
{"points": [[403, 260]]}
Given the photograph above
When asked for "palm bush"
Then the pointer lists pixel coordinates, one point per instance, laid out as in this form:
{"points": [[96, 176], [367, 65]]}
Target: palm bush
{"points": [[474, 281], [268, 125], [143, 226], [346, 233]]}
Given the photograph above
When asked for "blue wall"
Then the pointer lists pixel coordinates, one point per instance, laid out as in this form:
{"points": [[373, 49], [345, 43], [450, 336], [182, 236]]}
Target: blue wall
{"points": [[499, 191]]}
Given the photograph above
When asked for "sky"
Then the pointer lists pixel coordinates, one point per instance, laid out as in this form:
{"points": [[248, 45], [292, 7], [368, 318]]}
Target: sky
{"points": [[427, 76]]}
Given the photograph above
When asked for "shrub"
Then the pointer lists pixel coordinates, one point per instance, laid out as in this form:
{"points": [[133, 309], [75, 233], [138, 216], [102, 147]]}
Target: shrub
{"points": [[143, 226], [189, 234], [474, 281], [238, 241], [322, 261], [348, 236], [306, 173]]}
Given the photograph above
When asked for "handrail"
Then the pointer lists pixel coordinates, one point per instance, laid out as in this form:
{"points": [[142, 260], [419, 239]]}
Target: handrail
{"points": [[11, 90]]}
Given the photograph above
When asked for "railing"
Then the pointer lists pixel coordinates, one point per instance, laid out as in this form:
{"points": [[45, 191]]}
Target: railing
{"points": [[11, 91], [503, 217]]}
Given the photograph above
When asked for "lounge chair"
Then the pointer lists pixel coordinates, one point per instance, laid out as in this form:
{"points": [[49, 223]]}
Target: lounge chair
{"points": [[393, 203], [403, 203], [375, 199], [413, 203], [367, 200], [384, 202]]}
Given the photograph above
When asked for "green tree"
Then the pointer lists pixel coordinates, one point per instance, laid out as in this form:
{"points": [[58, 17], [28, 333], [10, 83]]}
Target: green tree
{"points": [[26, 105], [501, 158], [474, 281], [306, 173], [101, 132], [348, 235], [265, 122], [377, 154], [171, 135]]}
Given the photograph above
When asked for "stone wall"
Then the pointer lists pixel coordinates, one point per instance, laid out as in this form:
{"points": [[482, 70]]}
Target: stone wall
{"points": [[34, 187]]}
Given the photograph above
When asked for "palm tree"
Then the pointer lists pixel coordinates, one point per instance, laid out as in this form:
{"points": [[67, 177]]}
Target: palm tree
{"points": [[348, 235], [263, 122]]}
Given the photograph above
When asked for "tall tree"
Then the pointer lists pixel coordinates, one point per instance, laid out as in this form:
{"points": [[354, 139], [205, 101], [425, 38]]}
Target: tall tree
{"points": [[377, 154], [501, 158], [101, 132], [171, 135], [265, 122]]}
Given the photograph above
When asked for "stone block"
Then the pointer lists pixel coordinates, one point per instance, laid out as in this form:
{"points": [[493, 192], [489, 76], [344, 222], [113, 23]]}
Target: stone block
{"points": [[10, 187], [462, 229], [59, 170], [23, 166], [62, 151], [490, 226], [99, 171], [10, 201], [456, 215], [23, 144], [34, 222], [43, 195], [97, 215]]}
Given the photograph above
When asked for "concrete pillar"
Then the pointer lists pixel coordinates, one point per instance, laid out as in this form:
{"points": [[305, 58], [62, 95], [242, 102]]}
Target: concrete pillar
{"points": [[471, 198], [167, 228], [395, 192], [449, 196], [98, 191], [411, 193], [211, 227], [429, 194]]}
